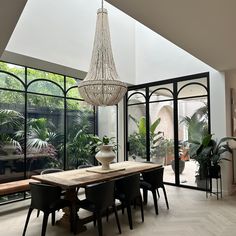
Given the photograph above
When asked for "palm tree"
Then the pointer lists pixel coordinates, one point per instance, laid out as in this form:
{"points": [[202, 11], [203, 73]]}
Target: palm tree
{"points": [[10, 121], [40, 137]]}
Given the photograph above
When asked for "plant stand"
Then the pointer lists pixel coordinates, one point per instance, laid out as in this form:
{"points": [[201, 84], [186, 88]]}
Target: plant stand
{"points": [[214, 173]]}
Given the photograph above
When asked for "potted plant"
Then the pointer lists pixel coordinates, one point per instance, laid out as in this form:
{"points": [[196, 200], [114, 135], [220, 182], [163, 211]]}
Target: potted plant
{"points": [[208, 154], [106, 154], [181, 162]]}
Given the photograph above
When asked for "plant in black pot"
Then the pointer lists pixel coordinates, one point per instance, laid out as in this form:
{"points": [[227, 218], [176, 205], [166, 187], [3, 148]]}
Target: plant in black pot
{"points": [[208, 154], [181, 162]]}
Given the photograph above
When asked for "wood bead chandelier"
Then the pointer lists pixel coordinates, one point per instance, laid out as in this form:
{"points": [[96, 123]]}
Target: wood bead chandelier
{"points": [[101, 86]]}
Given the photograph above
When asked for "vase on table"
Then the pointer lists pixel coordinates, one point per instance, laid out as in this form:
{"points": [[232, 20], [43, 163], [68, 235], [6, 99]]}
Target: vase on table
{"points": [[105, 156]]}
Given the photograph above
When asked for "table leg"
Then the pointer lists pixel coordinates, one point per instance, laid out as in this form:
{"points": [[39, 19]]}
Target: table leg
{"points": [[71, 195]]}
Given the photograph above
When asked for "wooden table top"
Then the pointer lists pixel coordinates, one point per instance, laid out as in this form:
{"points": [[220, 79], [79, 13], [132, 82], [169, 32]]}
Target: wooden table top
{"points": [[81, 177]]}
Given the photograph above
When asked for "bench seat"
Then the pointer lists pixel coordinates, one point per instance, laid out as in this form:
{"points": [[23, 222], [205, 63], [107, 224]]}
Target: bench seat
{"points": [[15, 186]]}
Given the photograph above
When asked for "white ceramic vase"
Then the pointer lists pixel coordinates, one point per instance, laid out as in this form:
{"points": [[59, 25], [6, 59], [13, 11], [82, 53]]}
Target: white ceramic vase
{"points": [[105, 156]]}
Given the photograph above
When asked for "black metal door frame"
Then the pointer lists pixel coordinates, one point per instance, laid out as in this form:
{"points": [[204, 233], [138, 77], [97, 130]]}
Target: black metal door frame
{"points": [[175, 82]]}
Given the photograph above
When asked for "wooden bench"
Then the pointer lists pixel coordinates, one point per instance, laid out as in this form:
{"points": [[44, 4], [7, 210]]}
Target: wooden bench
{"points": [[15, 186]]}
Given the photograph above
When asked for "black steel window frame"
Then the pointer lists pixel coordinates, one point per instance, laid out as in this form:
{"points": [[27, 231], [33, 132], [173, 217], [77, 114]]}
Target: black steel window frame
{"points": [[65, 90], [174, 82]]}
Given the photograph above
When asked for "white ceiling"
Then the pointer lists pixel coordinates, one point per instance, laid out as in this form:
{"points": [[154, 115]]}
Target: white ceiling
{"points": [[204, 28]]}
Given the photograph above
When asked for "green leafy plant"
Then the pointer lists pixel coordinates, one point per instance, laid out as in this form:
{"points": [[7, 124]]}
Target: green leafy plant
{"points": [[10, 120], [209, 152], [40, 136], [137, 140], [197, 124], [105, 140], [82, 148]]}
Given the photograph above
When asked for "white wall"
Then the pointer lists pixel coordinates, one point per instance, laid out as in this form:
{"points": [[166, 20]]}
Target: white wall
{"points": [[159, 59], [230, 83], [62, 32]]}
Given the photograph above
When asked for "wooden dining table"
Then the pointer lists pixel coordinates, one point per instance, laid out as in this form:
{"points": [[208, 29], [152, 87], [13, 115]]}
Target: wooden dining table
{"points": [[71, 180]]}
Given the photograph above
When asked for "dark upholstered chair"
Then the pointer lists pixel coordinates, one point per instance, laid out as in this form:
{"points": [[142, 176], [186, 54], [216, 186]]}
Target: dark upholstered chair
{"points": [[85, 166], [99, 197], [46, 198], [49, 171], [152, 180], [128, 191]]}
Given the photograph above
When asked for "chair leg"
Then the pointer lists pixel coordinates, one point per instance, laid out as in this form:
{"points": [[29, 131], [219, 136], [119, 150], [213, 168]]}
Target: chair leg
{"points": [[164, 191], [27, 220], [107, 214], [141, 206], [122, 208], [154, 194], [99, 219], [117, 218], [45, 222], [38, 212], [145, 196], [94, 219], [158, 193], [129, 216], [53, 218]]}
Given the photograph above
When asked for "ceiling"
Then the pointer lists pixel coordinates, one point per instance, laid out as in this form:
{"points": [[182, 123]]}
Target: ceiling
{"points": [[205, 29]]}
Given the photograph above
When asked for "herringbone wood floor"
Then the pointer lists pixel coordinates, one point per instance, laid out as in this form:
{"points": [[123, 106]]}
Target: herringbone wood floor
{"points": [[190, 214]]}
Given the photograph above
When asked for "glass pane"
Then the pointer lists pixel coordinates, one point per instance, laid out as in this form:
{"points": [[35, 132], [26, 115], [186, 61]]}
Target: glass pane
{"points": [[81, 142], [45, 101], [70, 82], [137, 96], [12, 99], [137, 132], [9, 82], [107, 126], [11, 197], [73, 93], [18, 71], [162, 92], [45, 129], [193, 126], [11, 144], [162, 137], [33, 74], [192, 90], [45, 87]]}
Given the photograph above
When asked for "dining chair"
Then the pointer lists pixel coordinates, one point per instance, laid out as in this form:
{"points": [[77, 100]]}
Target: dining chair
{"points": [[46, 198], [127, 190], [49, 171], [99, 197], [85, 166], [152, 181]]}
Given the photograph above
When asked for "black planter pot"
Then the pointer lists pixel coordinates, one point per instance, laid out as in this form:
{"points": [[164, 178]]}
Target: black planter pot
{"points": [[202, 182], [214, 171], [181, 166]]}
